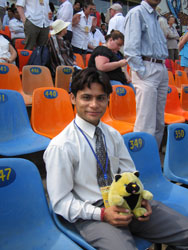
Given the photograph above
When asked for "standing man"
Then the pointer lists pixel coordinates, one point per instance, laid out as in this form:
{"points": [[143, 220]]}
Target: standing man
{"points": [[81, 162], [65, 13], [146, 49], [81, 26], [34, 15], [172, 39], [117, 20], [3, 5]]}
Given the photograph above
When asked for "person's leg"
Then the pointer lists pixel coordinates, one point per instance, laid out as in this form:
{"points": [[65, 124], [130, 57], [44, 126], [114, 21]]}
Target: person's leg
{"points": [[104, 236], [146, 100], [42, 36], [165, 226], [171, 54], [161, 101], [31, 34], [176, 54]]}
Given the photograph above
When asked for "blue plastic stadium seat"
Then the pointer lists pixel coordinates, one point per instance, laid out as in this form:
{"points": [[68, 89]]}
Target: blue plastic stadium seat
{"points": [[144, 152], [16, 134], [176, 155], [26, 222]]}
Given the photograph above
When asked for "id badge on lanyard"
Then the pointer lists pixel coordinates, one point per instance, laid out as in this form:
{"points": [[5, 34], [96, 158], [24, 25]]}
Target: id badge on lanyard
{"points": [[41, 2]]}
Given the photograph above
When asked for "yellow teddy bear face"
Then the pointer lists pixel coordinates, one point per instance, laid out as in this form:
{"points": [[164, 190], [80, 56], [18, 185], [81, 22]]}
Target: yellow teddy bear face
{"points": [[127, 184]]}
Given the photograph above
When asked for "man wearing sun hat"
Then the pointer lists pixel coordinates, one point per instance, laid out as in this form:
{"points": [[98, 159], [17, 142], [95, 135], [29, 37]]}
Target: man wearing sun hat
{"points": [[65, 12], [117, 19]]}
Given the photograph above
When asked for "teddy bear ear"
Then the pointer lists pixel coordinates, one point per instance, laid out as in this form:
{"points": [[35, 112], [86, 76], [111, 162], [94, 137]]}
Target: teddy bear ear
{"points": [[117, 177], [137, 173]]}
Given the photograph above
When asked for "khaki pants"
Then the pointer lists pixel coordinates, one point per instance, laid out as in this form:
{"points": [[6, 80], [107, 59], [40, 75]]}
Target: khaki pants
{"points": [[151, 92], [35, 36]]}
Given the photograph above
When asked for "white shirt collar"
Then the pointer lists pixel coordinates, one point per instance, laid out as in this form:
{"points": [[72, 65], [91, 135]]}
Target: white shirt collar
{"points": [[87, 127]]}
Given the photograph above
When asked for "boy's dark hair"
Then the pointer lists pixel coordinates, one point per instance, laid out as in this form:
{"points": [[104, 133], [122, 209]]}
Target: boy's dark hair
{"points": [[84, 78]]}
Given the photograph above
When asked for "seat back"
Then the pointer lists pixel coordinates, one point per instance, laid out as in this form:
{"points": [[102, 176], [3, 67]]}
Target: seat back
{"points": [[122, 104], [35, 77], [6, 31], [171, 80], [51, 111], [180, 78], [173, 102], [176, 161], [23, 56], [13, 115], [63, 77], [144, 151], [9, 77], [184, 97], [177, 65], [24, 206], [19, 43], [79, 60], [24, 212]]}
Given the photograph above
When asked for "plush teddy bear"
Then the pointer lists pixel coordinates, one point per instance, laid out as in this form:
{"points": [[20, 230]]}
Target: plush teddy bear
{"points": [[127, 191]]}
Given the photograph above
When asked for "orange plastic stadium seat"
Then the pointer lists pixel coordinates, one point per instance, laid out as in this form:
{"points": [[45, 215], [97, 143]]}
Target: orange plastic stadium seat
{"points": [[23, 56], [35, 76], [171, 80], [79, 60], [184, 97], [121, 126], [10, 79], [63, 77], [171, 118], [20, 43], [6, 31], [180, 78], [123, 104], [177, 65], [51, 111], [173, 105]]}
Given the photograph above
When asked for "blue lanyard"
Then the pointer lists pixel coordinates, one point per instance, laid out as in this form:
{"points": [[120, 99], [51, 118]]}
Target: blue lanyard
{"points": [[98, 161]]}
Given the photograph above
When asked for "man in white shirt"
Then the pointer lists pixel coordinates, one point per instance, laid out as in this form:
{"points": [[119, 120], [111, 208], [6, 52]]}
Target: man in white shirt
{"points": [[96, 38], [72, 166], [3, 5], [65, 13], [16, 26], [34, 15], [117, 19], [81, 26]]}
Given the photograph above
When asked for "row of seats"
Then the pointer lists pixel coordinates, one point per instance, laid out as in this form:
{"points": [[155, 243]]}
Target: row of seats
{"points": [[178, 79], [28, 212], [52, 111]]}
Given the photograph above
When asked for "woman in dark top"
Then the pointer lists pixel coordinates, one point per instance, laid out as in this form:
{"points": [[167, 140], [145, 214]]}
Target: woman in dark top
{"points": [[105, 58]]}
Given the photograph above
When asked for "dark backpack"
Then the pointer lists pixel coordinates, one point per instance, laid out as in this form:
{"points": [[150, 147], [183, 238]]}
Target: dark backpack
{"points": [[40, 56]]}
